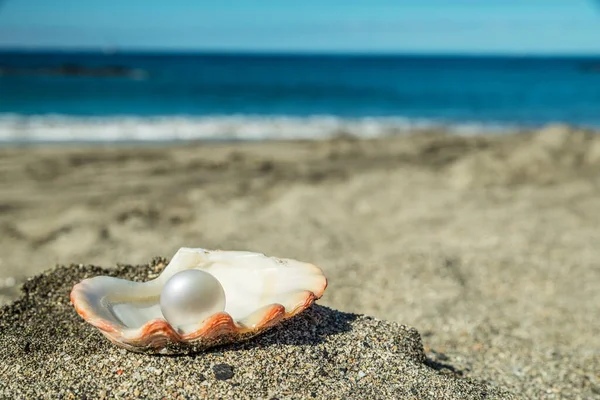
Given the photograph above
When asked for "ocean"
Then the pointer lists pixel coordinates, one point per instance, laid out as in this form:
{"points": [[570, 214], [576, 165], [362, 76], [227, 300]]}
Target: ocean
{"points": [[115, 96]]}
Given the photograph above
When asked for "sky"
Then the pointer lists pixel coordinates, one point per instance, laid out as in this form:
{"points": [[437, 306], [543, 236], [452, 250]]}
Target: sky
{"points": [[348, 26]]}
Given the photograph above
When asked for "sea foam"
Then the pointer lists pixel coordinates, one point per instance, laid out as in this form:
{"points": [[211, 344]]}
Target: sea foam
{"points": [[58, 128]]}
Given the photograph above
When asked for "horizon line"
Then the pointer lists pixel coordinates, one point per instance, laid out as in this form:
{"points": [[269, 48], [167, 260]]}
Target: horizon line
{"points": [[112, 50]]}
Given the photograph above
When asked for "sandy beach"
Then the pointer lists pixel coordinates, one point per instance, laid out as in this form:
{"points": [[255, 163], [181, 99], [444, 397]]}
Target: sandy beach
{"points": [[473, 261]]}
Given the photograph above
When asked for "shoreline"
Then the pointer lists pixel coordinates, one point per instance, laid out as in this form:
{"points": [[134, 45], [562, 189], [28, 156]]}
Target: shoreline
{"points": [[70, 130], [486, 244]]}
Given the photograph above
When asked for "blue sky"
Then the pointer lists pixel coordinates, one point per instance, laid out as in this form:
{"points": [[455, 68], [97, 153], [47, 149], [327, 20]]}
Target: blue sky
{"points": [[422, 26]]}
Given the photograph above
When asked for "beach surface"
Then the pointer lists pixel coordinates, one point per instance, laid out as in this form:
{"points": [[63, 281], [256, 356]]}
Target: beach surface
{"points": [[476, 257]]}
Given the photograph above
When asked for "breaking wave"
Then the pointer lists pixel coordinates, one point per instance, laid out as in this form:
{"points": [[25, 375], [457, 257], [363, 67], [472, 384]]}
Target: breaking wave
{"points": [[16, 128]]}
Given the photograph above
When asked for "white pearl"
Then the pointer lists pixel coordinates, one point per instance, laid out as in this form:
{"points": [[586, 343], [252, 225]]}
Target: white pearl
{"points": [[190, 296]]}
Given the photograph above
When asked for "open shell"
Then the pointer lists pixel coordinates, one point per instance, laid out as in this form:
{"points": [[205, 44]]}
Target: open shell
{"points": [[260, 292]]}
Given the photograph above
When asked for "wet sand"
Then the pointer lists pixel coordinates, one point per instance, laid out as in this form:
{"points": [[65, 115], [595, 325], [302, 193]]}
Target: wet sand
{"points": [[487, 246]]}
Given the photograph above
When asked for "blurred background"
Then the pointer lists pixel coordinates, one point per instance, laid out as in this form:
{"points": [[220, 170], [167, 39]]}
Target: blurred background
{"points": [[156, 70], [439, 159]]}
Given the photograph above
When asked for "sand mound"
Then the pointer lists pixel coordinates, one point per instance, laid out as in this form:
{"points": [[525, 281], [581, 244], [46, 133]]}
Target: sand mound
{"points": [[549, 155], [47, 350]]}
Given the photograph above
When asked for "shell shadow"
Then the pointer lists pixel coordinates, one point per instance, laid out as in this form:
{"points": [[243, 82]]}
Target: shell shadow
{"points": [[443, 367], [313, 326]]}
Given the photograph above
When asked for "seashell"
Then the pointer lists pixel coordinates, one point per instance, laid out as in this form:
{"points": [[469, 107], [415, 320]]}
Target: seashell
{"points": [[201, 299]]}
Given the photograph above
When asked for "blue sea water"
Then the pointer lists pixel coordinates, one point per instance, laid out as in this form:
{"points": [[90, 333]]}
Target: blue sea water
{"points": [[131, 96]]}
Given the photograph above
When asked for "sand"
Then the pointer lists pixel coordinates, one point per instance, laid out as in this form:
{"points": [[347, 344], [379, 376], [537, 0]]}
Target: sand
{"points": [[322, 353], [486, 246]]}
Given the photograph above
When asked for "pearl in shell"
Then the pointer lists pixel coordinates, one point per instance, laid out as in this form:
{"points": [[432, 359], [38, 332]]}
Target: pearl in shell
{"points": [[189, 297]]}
